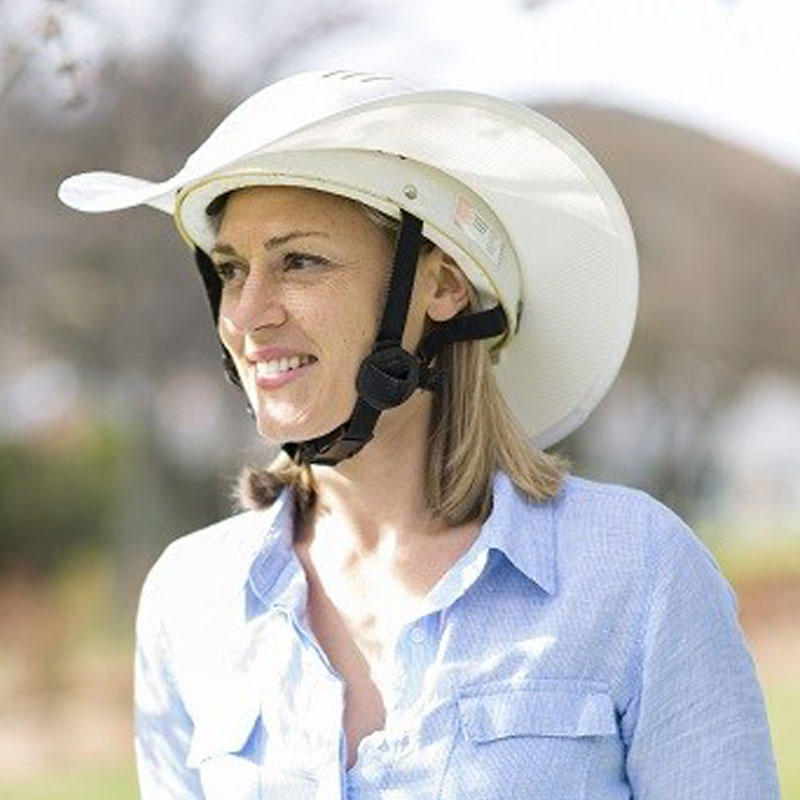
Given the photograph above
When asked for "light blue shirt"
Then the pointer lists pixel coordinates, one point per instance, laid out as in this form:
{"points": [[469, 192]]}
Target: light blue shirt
{"points": [[586, 648]]}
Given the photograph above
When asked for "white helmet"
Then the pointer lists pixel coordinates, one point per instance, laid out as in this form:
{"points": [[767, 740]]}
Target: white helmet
{"points": [[523, 208]]}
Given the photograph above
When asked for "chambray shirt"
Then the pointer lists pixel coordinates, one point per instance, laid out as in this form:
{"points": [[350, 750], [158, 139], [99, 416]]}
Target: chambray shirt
{"points": [[583, 648]]}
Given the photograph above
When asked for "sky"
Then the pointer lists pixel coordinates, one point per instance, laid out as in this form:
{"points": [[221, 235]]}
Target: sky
{"points": [[730, 67]]}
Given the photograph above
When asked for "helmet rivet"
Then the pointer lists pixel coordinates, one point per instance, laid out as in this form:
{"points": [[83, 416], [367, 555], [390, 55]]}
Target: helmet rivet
{"points": [[410, 192]]}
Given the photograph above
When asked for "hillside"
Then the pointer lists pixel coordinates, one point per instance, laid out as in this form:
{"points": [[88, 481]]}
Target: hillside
{"points": [[719, 239]]}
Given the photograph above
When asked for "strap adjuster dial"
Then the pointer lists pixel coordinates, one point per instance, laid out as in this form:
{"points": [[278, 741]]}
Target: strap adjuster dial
{"points": [[388, 376]]}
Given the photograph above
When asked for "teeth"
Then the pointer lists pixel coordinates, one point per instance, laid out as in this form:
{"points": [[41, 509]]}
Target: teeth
{"points": [[278, 365]]}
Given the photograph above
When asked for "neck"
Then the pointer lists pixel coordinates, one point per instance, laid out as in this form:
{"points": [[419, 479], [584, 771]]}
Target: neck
{"points": [[378, 496]]}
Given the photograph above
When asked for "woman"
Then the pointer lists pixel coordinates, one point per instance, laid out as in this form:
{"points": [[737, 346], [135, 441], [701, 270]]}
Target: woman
{"points": [[421, 603]]}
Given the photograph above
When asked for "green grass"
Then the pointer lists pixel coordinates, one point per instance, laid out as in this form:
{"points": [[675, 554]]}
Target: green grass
{"points": [[783, 708], [101, 783], [743, 562]]}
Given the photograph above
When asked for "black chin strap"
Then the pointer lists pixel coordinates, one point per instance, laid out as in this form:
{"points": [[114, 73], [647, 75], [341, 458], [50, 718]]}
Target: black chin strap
{"points": [[389, 375]]}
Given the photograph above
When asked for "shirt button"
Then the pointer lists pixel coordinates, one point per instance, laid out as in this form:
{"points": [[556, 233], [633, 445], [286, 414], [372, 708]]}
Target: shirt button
{"points": [[417, 635]]}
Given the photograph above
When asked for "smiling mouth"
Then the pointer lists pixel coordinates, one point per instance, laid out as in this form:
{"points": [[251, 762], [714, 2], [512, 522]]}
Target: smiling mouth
{"points": [[279, 366]]}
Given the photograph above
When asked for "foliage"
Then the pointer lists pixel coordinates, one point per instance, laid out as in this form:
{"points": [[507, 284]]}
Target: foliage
{"points": [[783, 708], [89, 783], [54, 496]]}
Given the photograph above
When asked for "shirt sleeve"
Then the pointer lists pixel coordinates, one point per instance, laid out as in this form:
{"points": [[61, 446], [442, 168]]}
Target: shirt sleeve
{"points": [[700, 729], [163, 729]]}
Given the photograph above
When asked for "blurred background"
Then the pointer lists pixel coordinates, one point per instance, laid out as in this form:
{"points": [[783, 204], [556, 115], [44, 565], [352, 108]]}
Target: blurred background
{"points": [[118, 433]]}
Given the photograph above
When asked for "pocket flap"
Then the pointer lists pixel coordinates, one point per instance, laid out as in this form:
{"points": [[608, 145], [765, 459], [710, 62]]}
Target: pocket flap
{"points": [[537, 712], [223, 729]]}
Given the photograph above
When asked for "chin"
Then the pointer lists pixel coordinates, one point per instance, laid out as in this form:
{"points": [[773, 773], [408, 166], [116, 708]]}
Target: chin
{"points": [[280, 431]]}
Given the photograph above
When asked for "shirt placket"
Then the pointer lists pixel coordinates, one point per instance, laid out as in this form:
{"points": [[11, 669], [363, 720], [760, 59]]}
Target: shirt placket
{"points": [[326, 708], [380, 753], [384, 757]]}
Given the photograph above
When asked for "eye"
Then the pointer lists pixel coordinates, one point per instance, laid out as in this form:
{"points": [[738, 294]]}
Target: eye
{"points": [[299, 261], [228, 270]]}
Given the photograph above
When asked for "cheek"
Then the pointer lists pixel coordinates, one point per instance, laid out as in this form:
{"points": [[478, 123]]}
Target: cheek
{"points": [[342, 320]]}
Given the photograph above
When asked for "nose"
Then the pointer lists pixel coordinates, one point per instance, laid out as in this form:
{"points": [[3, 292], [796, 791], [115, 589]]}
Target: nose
{"points": [[258, 303]]}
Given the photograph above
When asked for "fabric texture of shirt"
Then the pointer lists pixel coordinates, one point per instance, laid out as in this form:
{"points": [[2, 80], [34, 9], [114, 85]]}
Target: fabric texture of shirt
{"points": [[586, 648]]}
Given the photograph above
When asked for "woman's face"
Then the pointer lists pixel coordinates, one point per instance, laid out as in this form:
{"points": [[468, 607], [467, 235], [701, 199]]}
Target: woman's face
{"points": [[304, 276]]}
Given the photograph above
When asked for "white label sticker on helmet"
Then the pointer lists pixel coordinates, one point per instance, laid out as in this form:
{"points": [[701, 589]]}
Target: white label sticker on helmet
{"points": [[479, 230]]}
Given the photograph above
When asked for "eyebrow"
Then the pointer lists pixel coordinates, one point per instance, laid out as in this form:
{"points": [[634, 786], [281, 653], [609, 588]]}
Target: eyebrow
{"points": [[269, 244]]}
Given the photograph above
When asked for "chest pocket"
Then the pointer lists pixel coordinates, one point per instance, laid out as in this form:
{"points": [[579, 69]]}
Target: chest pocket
{"points": [[537, 741], [229, 748]]}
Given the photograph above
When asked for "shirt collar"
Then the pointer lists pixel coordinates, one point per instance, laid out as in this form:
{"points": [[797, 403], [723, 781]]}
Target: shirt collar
{"points": [[271, 572], [523, 531]]}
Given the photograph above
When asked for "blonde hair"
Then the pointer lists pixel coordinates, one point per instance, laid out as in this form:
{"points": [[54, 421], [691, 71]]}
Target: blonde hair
{"points": [[472, 434]]}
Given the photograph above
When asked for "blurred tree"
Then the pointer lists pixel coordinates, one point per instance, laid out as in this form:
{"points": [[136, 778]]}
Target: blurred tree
{"points": [[40, 33], [54, 499]]}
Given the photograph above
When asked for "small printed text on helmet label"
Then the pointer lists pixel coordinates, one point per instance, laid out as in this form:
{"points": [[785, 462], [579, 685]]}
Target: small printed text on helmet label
{"points": [[479, 230]]}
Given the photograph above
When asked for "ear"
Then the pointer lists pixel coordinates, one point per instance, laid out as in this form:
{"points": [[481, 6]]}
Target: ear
{"points": [[449, 288]]}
